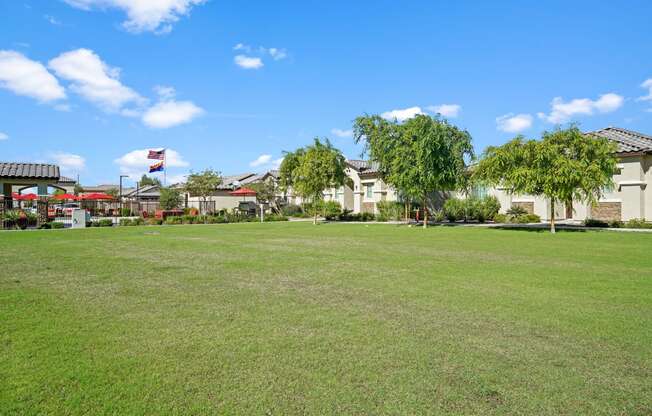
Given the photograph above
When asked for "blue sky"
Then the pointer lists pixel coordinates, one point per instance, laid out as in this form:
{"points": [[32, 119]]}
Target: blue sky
{"points": [[91, 84]]}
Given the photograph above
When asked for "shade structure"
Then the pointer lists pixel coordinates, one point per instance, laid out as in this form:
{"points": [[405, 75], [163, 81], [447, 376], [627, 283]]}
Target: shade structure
{"points": [[243, 192], [97, 196], [65, 197]]}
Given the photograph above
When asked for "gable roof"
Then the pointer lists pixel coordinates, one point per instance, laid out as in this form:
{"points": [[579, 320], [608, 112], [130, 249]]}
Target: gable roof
{"points": [[229, 182], [29, 170], [628, 141], [145, 191]]}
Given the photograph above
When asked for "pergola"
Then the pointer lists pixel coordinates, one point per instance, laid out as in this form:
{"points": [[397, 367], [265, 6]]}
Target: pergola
{"points": [[27, 175]]}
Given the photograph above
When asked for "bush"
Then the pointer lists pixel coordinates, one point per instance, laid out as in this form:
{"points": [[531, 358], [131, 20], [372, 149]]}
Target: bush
{"points": [[438, 216], [616, 224], [173, 221], [527, 219], [489, 208], [593, 222], [125, 212], [137, 221], [390, 211], [329, 209], [501, 218], [189, 219], [275, 217], [454, 209], [106, 222], [125, 222], [56, 225], [638, 223], [154, 221], [516, 211], [45, 226], [291, 210]]}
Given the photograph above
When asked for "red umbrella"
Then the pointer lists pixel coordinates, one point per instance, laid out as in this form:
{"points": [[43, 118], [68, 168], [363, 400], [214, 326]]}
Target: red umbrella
{"points": [[27, 197], [96, 196], [243, 192], [65, 197]]}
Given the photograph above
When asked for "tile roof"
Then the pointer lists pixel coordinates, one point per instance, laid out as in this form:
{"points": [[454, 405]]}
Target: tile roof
{"points": [[229, 182], [363, 166], [29, 170], [628, 141]]}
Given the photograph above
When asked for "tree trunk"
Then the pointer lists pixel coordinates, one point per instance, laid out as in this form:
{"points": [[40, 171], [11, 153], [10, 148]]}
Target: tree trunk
{"points": [[406, 211], [425, 213], [314, 220], [552, 215]]}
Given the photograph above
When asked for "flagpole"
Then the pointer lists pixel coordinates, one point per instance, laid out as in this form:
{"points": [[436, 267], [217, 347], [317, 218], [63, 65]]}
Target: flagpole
{"points": [[165, 168]]}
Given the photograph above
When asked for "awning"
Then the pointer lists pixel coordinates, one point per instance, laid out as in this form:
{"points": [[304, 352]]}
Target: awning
{"points": [[243, 192]]}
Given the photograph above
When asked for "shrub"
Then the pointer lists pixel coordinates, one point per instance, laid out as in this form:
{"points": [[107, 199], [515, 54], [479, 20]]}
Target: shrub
{"points": [[390, 211], [125, 222], [56, 225], [489, 207], [137, 221], [526, 219], [125, 212], [106, 222], [189, 219], [438, 216], [329, 209], [291, 210], [616, 224], [500, 218], [454, 209], [637, 223], [154, 221], [173, 220], [516, 211], [45, 226], [593, 222]]}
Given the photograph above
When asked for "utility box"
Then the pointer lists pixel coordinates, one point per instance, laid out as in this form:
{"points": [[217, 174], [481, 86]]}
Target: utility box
{"points": [[78, 218]]}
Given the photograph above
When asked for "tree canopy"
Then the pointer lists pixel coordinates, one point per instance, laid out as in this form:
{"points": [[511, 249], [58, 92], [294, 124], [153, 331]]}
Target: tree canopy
{"points": [[147, 180], [312, 169], [565, 165], [170, 198], [203, 184], [417, 157]]}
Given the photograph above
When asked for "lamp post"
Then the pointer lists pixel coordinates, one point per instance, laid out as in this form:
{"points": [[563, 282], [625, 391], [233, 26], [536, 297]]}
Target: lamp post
{"points": [[122, 176]]}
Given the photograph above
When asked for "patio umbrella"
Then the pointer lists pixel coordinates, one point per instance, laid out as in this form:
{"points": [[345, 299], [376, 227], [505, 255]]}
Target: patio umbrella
{"points": [[65, 197], [97, 196], [243, 192], [27, 197]]}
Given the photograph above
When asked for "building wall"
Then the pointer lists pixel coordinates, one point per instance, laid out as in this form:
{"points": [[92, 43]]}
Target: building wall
{"points": [[222, 200]]}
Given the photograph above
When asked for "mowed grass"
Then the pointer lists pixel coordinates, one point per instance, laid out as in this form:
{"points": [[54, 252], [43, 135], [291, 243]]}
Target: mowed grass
{"points": [[332, 319]]}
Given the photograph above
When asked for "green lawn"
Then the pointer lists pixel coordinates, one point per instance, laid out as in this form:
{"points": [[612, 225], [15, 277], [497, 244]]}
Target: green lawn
{"points": [[333, 319]]}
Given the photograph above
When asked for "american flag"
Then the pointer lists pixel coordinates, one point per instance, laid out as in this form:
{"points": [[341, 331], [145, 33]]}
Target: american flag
{"points": [[156, 154]]}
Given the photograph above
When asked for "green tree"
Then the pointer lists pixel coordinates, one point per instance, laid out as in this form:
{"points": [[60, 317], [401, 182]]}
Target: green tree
{"points": [[203, 184], [114, 192], [311, 170], [266, 191], [147, 180], [417, 157], [564, 166], [170, 198]]}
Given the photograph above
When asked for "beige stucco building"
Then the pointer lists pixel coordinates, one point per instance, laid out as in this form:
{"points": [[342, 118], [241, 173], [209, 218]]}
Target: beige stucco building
{"points": [[630, 197]]}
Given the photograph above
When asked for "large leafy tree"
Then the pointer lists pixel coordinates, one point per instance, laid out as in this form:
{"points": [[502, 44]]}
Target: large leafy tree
{"points": [[203, 184], [564, 166], [312, 169], [417, 157], [170, 198], [266, 191]]}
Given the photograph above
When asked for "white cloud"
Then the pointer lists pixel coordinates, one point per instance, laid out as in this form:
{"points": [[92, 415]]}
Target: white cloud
{"points": [[165, 92], [648, 85], [511, 123], [170, 113], [276, 163], [342, 133], [94, 80], [402, 115], [261, 160], [143, 15], [248, 62], [23, 76], [3, 136], [277, 54], [564, 111], [53, 20], [68, 162], [135, 163], [446, 110]]}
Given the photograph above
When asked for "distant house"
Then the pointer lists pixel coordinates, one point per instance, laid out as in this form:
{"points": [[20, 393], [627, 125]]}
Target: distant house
{"points": [[221, 199], [630, 198]]}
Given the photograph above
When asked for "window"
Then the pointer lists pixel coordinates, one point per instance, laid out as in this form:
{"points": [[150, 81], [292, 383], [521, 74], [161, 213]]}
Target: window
{"points": [[339, 192], [479, 191], [369, 190]]}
